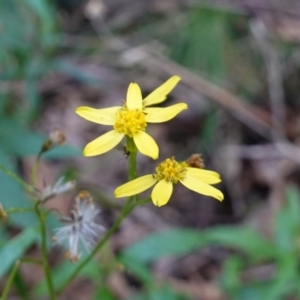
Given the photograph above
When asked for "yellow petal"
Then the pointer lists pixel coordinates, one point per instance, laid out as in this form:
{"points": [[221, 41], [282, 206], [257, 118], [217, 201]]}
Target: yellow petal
{"points": [[201, 187], [151, 110], [135, 186], [146, 144], [160, 94], [134, 97], [103, 143], [162, 192], [104, 116], [206, 176], [165, 114]]}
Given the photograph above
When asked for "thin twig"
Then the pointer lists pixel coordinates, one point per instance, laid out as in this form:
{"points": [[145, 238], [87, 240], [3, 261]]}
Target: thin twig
{"points": [[276, 91]]}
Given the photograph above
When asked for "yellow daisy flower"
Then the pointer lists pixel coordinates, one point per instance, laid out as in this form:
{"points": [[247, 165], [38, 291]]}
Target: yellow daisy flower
{"points": [[170, 172], [131, 119]]}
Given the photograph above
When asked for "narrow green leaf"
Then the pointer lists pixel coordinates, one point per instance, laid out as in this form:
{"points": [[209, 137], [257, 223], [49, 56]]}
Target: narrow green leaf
{"points": [[72, 70], [287, 224], [241, 238], [104, 293], [174, 242], [137, 268], [22, 142], [16, 247], [63, 271], [13, 195], [59, 275]]}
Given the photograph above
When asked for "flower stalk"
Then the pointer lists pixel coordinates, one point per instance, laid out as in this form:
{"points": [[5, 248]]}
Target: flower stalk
{"points": [[131, 147], [46, 267], [127, 209]]}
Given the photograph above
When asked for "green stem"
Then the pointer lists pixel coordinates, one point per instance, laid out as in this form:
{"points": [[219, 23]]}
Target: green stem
{"points": [[125, 212], [44, 252], [131, 147], [35, 171], [128, 207], [28, 260], [18, 210], [16, 178], [143, 201], [10, 280]]}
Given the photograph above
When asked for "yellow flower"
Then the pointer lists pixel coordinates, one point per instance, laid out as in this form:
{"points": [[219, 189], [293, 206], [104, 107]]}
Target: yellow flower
{"points": [[131, 119], [170, 172]]}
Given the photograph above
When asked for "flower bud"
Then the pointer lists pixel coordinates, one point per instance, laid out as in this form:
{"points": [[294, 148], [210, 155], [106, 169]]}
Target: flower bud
{"points": [[56, 137]]}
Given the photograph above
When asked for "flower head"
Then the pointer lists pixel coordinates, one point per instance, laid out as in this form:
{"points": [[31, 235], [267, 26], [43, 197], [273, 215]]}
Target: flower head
{"points": [[168, 173], [80, 232], [131, 119]]}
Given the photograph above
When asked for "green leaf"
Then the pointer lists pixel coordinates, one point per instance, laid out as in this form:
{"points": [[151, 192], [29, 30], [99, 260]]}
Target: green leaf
{"points": [[230, 276], [103, 293], [159, 293], [209, 129], [61, 152], [287, 224], [40, 8], [21, 142], [16, 247], [60, 274], [18, 140], [163, 293], [13, 196], [174, 242], [75, 72], [137, 268], [203, 41], [286, 278], [241, 238], [46, 16]]}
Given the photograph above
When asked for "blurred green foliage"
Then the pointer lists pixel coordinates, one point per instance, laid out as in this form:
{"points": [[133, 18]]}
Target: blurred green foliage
{"points": [[29, 40], [16, 247], [203, 40], [198, 43]]}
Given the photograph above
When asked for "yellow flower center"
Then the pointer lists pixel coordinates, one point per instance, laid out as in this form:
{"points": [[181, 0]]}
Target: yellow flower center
{"points": [[170, 170], [129, 121]]}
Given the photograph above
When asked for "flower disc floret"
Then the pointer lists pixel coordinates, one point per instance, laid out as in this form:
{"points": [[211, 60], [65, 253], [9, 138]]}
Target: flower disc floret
{"points": [[130, 122], [170, 170]]}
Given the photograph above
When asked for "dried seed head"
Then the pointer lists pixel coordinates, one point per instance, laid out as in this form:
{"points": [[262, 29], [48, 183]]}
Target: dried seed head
{"points": [[81, 232], [195, 161]]}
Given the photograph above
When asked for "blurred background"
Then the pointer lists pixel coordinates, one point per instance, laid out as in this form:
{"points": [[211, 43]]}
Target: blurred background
{"points": [[239, 63]]}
